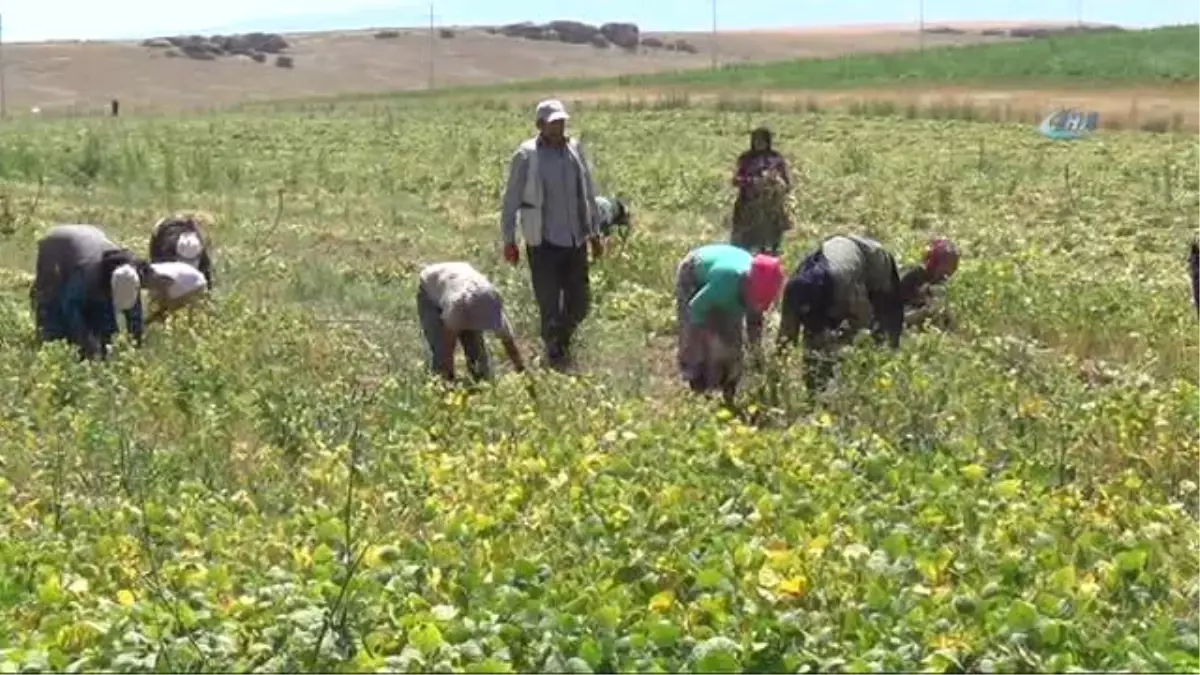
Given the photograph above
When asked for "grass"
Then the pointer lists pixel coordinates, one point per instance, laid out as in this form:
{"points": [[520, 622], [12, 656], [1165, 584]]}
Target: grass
{"points": [[274, 484], [1160, 56]]}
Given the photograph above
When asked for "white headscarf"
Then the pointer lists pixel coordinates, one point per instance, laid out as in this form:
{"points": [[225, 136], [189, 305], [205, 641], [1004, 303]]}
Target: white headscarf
{"points": [[126, 287], [188, 246]]}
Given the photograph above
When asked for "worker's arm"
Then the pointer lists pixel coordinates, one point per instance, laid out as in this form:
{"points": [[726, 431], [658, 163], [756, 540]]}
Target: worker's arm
{"points": [[513, 194], [513, 352], [133, 319], [888, 311], [206, 267], [449, 344], [589, 186], [70, 307]]}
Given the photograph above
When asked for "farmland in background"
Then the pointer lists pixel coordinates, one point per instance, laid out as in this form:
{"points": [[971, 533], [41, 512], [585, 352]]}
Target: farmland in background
{"points": [[273, 484]]}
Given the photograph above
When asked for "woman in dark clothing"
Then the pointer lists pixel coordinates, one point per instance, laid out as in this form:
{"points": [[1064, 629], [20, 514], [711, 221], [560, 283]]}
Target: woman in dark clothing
{"points": [[181, 238], [760, 211], [82, 280]]}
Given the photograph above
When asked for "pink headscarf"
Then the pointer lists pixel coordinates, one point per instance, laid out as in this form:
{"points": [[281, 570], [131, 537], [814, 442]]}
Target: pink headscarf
{"points": [[941, 258], [764, 282]]}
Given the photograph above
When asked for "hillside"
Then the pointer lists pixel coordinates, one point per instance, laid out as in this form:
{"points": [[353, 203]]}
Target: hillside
{"points": [[87, 75], [1145, 57]]}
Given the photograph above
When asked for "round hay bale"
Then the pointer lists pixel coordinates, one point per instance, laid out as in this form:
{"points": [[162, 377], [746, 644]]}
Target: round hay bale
{"points": [[652, 43], [258, 57], [282, 61], [600, 42], [446, 34], [387, 35]]}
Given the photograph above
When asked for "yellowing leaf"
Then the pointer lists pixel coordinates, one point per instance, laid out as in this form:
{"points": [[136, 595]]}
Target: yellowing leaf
{"points": [[795, 586], [818, 544], [125, 597], [973, 472], [661, 602], [767, 578]]}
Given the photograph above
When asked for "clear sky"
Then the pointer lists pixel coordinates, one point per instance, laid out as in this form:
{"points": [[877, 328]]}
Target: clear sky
{"points": [[31, 20]]}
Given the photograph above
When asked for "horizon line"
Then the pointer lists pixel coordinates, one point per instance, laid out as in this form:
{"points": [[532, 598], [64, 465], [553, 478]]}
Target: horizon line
{"points": [[898, 26]]}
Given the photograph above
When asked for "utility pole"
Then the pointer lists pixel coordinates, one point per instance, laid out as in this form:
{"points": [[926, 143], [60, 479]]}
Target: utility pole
{"points": [[921, 25], [432, 45], [3, 97], [714, 34]]}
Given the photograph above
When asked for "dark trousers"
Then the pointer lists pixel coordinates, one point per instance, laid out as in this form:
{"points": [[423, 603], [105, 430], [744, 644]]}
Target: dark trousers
{"points": [[478, 360], [563, 292]]}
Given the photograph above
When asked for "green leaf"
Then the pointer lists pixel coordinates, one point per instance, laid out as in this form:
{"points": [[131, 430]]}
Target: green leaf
{"points": [[426, 638], [590, 652], [664, 634], [491, 665], [1022, 616], [709, 578], [1131, 561]]}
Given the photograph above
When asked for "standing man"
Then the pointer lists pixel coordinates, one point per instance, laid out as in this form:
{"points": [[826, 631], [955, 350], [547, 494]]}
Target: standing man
{"points": [[551, 195]]}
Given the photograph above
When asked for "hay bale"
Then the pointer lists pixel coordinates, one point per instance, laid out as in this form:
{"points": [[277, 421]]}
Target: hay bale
{"points": [[623, 35], [172, 53], [600, 42], [446, 34], [387, 35], [157, 43], [258, 57], [284, 62], [994, 32], [652, 43]]}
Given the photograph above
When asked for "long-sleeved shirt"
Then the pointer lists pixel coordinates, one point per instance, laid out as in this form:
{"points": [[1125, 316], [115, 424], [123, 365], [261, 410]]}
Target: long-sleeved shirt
{"points": [[84, 312], [753, 164], [564, 212], [720, 269]]}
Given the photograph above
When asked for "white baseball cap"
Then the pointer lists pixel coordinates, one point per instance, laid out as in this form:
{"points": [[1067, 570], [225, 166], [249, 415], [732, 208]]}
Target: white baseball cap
{"points": [[551, 110], [126, 287]]}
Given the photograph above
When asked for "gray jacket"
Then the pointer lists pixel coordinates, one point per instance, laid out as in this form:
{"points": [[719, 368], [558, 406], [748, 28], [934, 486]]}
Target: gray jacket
{"points": [[551, 195]]}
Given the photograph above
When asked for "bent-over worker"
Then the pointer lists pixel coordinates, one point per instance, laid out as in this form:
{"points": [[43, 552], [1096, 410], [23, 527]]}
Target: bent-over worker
{"points": [[715, 286], [457, 304], [850, 283], [82, 279]]}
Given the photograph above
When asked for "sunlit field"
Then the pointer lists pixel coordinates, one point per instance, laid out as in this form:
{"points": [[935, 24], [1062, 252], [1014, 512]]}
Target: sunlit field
{"points": [[274, 483]]}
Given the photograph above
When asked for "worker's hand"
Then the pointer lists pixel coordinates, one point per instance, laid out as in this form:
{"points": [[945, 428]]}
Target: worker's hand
{"points": [[512, 254], [597, 247]]}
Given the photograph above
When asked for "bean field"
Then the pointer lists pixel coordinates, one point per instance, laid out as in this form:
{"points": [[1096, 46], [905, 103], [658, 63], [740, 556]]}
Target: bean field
{"points": [[274, 483]]}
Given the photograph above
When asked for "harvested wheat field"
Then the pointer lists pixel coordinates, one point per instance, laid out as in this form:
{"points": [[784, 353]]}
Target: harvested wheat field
{"points": [[85, 76]]}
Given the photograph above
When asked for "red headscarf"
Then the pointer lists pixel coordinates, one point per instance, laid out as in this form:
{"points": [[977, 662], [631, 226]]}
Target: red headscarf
{"points": [[941, 258]]}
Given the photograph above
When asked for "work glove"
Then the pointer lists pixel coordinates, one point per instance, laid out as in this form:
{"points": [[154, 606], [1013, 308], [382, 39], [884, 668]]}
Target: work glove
{"points": [[512, 254]]}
